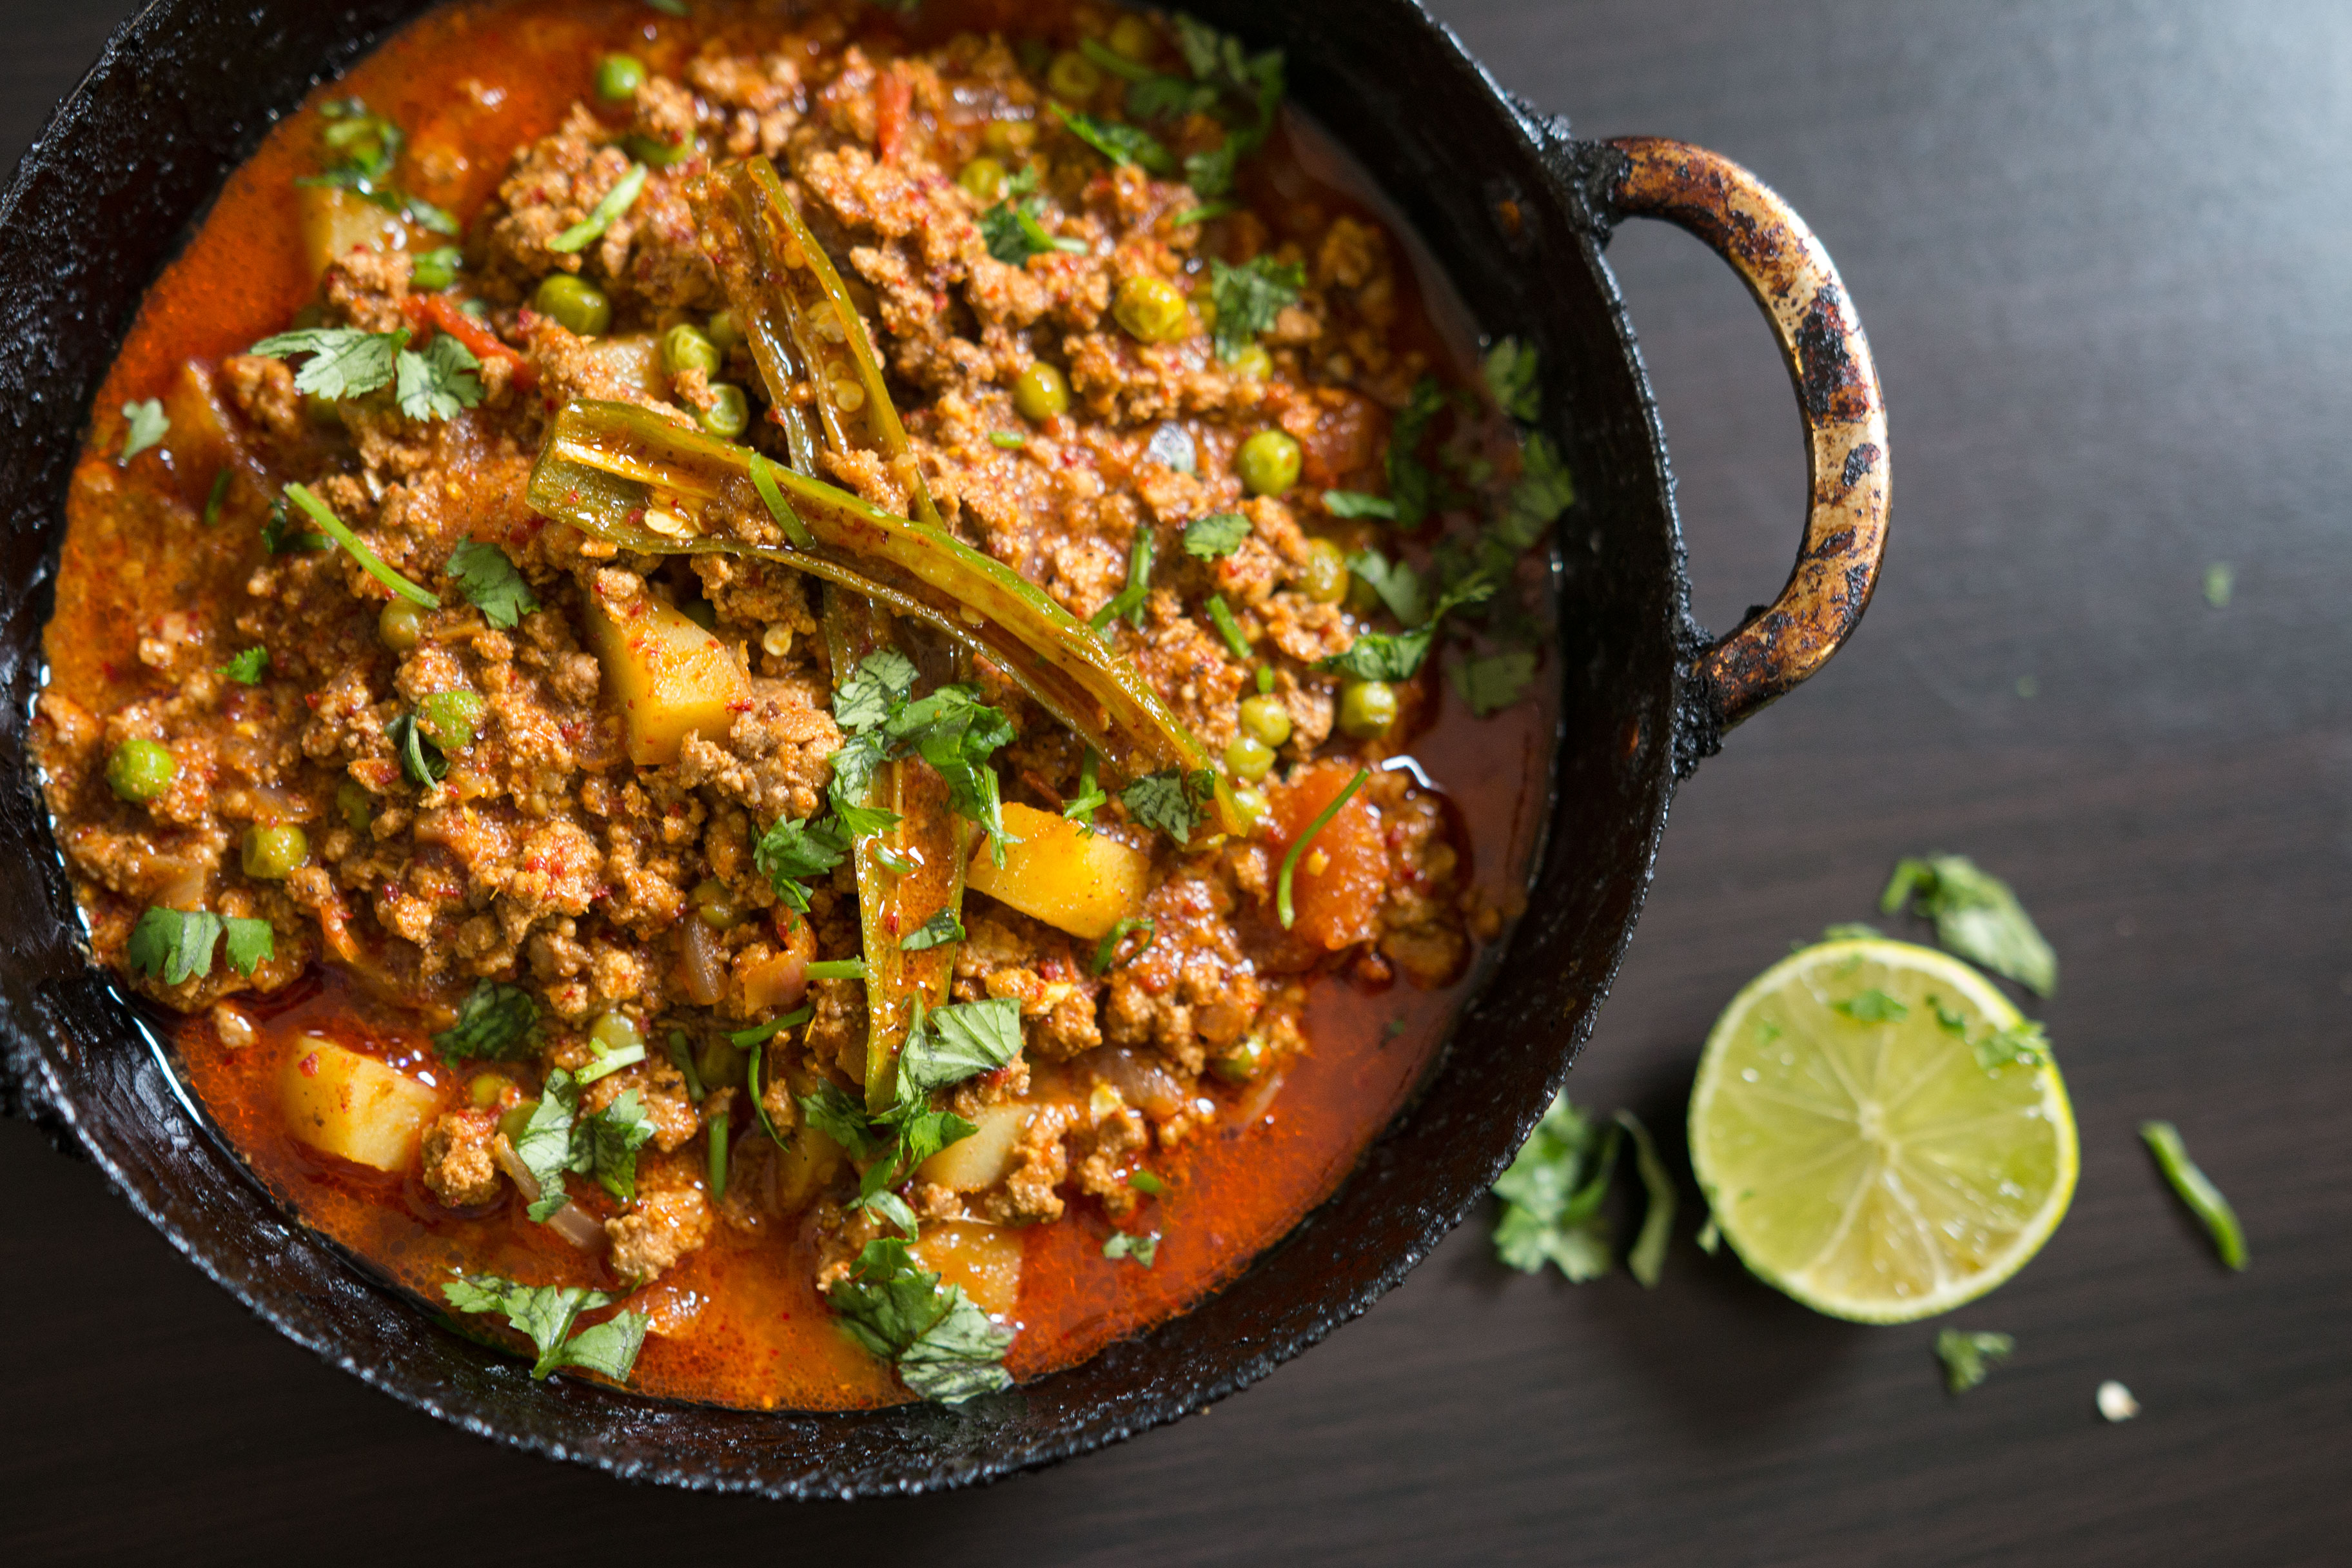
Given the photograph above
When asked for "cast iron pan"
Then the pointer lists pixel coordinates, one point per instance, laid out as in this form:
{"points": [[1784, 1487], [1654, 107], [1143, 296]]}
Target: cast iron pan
{"points": [[1515, 210]]}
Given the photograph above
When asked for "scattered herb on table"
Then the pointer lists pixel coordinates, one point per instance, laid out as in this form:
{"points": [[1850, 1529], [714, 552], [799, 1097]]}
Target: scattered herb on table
{"points": [[1966, 1356], [1977, 916]]}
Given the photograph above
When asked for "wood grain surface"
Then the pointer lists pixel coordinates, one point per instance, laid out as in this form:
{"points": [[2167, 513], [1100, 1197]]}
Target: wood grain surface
{"points": [[2104, 251]]}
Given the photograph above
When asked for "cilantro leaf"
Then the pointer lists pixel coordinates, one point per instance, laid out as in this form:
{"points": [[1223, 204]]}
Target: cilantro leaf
{"points": [[1965, 1356], [545, 1315], [1128, 144], [246, 668], [1134, 1249], [438, 383], [1977, 916], [345, 360], [792, 851], [1513, 377], [1552, 1193], [1014, 232], [961, 1040], [173, 945], [1216, 535], [959, 1357], [1356, 504], [1159, 97], [420, 759], [1167, 800], [2025, 1044], [147, 425], [880, 682], [833, 1111], [1492, 682], [1412, 486], [606, 212], [1399, 656], [1128, 601], [1398, 585], [490, 581], [497, 1022], [279, 537], [1872, 1006], [957, 733], [1543, 492], [1249, 297], [945, 1347], [544, 1142], [606, 1145], [938, 931], [1647, 1257], [250, 943]]}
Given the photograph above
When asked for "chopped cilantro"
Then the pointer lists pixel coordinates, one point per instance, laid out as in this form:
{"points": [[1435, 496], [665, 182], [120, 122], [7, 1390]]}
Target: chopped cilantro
{"points": [[952, 729], [1872, 1006], [759, 1034], [1492, 682], [834, 1112], [1398, 585], [1014, 231], [1128, 601], [366, 150], [246, 668], [177, 945], [938, 931], [496, 1021], [438, 383], [1134, 1249], [1412, 486], [490, 583], [1249, 297], [1107, 951], [1227, 627], [609, 1060], [146, 427], [956, 1042], [790, 852], [219, 494], [344, 361], [1127, 144], [1552, 1195], [606, 1145], [431, 272], [1977, 916], [880, 682], [1356, 504], [341, 532], [1081, 807], [543, 1142], [420, 759], [1168, 801], [279, 537], [1647, 1258], [1513, 377], [604, 216], [545, 1315], [2025, 1044], [1543, 492], [1144, 1182], [944, 1346], [1217, 535], [2196, 1189], [1399, 656], [1965, 1356]]}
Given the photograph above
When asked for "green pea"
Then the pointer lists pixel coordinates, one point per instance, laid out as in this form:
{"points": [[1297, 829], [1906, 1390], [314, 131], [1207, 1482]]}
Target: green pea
{"points": [[1324, 578], [701, 612], [724, 332], [656, 155], [487, 1087], [431, 272], [1268, 463], [1252, 805], [618, 77], [516, 1119], [1134, 37], [685, 348], [711, 903], [1153, 310], [401, 625], [1073, 76], [1248, 758], [271, 854], [1243, 1062], [140, 770], [1012, 136], [1367, 708], [1266, 718], [729, 414], [1042, 393], [1253, 363], [451, 719], [577, 305], [617, 1032], [357, 806], [983, 180]]}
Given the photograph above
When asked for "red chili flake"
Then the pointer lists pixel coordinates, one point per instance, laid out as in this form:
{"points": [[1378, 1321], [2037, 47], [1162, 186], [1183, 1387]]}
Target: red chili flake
{"points": [[311, 697], [309, 1065], [740, 705], [1052, 969]]}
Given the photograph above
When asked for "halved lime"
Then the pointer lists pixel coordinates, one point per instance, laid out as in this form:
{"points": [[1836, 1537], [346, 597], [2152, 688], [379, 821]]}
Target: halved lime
{"points": [[1879, 1132]]}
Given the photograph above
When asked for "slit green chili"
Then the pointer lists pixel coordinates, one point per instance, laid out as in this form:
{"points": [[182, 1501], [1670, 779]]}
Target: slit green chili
{"points": [[1290, 862], [2196, 1189]]}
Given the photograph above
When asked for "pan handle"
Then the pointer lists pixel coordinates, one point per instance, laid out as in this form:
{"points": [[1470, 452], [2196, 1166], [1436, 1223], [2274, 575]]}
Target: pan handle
{"points": [[1741, 219]]}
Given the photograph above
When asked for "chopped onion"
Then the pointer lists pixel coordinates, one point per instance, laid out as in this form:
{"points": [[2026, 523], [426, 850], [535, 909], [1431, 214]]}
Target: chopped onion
{"points": [[706, 964], [1147, 1086], [570, 1222]]}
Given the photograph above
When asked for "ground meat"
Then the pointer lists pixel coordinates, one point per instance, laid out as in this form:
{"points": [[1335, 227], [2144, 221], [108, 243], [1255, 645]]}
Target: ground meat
{"points": [[669, 1220], [458, 1162]]}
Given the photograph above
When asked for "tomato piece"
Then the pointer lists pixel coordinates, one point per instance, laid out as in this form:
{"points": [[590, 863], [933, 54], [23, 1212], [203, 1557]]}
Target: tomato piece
{"points": [[894, 103], [1341, 877], [434, 311]]}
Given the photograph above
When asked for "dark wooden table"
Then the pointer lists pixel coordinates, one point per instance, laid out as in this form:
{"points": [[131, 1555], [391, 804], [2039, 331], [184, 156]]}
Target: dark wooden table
{"points": [[2105, 253]]}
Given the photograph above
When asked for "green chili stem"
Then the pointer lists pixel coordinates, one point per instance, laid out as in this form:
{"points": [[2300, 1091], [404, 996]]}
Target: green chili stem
{"points": [[1290, 861], [1227, 627], [609, 1062], [717, 1158], [618, 200], [340, 532], [838, 969], [683, 1059], [759, 1106], [1203, 213], [753, 1036], [2196, 1189]]}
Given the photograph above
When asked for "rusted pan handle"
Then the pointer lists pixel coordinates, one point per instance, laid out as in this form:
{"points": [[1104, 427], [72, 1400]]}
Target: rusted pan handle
{"points": [[1743, 221]]}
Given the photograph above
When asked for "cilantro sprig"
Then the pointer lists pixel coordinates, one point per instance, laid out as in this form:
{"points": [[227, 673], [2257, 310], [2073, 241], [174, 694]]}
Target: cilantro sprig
{"points": [[496, 1021], [340, 363], [546, 1315], [178, 945], [1013, 230], [490, 583], [1977, 915], [1215, 536], [144, 425], [1128, 144], [1249, 297], [944, 1346], [950, 728], [794, 851]]}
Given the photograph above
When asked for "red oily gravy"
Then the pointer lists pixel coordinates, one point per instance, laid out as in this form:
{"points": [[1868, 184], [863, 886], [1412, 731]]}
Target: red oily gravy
{"points": [[741, 1322]]}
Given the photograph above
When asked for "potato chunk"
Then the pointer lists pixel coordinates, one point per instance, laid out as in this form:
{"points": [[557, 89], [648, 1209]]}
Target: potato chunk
{"points": [[335, 223], [670, 677], [1078, 884], [980, 1160], [985, 1259], [342, 1103]]}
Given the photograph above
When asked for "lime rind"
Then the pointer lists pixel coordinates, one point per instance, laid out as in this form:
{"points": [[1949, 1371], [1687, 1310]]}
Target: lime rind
{"points": [[1858, 1152]]}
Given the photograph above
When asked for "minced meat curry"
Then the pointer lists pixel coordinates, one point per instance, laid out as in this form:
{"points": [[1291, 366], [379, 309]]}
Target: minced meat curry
{"points": [[793, 700]]}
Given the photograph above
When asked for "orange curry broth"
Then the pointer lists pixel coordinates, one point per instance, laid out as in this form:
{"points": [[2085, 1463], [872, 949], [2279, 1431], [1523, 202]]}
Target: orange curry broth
{"points": [[470, 82]]}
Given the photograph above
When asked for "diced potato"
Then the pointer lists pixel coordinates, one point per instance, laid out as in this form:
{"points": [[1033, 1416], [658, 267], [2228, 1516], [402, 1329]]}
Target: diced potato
{"points": [[804, 1166], [671, 677], [342, 1103], [980, 1160], [985, 1259], [628, 366], [336, 223], [1079, 884]]}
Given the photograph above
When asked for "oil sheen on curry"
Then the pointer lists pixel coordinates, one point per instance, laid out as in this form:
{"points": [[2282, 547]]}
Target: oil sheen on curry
{"points": [[805, 704]]}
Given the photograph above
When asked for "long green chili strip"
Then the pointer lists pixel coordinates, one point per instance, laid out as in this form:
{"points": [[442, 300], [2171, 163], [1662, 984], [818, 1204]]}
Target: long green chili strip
{"points": [[683, 1059], [717, 1158], [1290, 861], [1120, 934], [338, 531], [618, 200], [2196, 1189], [759, 1106], [1227, 627], [772, 496], [745, 1040], [837, 969]]}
